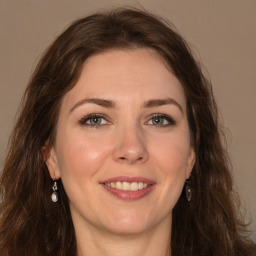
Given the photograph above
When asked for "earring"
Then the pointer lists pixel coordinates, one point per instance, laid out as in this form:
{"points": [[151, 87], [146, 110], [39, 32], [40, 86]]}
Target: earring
{"points": [[54, 195], [188, 190]]}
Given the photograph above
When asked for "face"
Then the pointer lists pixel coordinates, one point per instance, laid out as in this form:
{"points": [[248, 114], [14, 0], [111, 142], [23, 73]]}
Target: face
{"points": [[122, 146]]}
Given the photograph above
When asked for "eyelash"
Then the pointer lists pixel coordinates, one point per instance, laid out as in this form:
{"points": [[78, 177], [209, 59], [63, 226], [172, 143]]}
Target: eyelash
{"points": [[91, 117], [169, 119], [165, 117]]}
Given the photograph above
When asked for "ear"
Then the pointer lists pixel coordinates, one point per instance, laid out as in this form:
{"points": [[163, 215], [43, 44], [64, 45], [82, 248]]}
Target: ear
{"points": [[50, 160], [191, 162]]}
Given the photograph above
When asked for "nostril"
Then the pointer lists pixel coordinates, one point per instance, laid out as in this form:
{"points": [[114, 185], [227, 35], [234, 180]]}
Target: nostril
{"points": [[130, 154]]}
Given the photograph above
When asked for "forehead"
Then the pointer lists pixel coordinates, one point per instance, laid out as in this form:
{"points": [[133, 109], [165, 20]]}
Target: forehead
{"points": [[125, 74]]}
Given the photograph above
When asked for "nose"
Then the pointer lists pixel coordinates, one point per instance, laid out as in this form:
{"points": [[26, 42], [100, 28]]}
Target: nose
{"points": [[130, 147]]}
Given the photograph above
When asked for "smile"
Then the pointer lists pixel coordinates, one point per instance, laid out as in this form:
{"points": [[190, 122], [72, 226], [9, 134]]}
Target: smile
{"points": [[129, 188]]}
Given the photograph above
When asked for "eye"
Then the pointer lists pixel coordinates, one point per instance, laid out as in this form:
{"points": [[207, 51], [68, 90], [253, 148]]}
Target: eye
{"points": [[161, 120], [94, 120]]}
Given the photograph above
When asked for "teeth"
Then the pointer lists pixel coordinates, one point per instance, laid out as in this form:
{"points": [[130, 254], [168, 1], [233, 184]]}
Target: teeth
{"points": [[126, 186], [118, 185], [133, 186], [141, 186], [113, 185]]}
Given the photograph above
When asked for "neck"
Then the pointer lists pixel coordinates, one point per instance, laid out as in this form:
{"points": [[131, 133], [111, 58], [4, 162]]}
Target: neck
{"points": [[154, 242]]}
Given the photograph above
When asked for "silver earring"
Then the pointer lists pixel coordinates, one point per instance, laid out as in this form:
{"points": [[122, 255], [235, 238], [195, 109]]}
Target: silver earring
{"points": [[54, 195], [188, 190]]}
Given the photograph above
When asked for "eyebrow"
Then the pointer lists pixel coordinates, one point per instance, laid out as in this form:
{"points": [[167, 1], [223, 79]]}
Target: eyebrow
{"points": [[161, 102], [111, 104], [101, 102]]}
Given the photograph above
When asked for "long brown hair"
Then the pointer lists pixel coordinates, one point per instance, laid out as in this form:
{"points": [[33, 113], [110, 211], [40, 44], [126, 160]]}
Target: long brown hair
{"points": [[31, 224]]}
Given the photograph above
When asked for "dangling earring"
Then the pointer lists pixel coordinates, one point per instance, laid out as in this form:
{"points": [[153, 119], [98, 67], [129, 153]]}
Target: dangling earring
{"points": [[188, 190], [54, 195]]}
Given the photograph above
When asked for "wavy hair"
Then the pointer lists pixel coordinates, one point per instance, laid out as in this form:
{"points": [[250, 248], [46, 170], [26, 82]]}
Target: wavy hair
{"points": [[30, 224]]}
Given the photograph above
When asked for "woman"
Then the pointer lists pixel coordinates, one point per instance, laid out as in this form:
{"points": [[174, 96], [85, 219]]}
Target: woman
{"points": [[117, 150]]}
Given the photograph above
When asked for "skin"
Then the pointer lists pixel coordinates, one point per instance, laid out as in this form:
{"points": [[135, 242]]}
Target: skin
{"points": [[128, 141]]}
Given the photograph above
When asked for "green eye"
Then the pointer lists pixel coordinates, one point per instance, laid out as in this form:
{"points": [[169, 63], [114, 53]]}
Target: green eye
{"points": [[93, 120], [158, 121], [161, 120]]}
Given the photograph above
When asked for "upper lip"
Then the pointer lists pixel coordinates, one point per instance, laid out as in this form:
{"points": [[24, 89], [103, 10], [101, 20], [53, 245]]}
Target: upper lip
{"points": [[129, 179]]}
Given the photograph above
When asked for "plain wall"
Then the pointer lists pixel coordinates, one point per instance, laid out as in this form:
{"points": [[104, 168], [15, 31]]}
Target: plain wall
{"points": [[222, 35]]}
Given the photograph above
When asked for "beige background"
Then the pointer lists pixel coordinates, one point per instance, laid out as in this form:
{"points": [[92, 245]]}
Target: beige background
{"points": [[222, 34]]}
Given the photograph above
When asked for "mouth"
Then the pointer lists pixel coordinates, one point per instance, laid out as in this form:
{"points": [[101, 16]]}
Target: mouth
{"points": [[128, 188]]}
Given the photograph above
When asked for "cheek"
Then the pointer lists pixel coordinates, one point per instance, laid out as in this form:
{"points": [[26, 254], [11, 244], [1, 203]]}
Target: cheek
{"points": [[81, 157], [171, 158], [79, 163], [173, 155]]}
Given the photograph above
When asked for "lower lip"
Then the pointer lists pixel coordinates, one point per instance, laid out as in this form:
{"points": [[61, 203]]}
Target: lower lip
{"points": [[129, 195]]}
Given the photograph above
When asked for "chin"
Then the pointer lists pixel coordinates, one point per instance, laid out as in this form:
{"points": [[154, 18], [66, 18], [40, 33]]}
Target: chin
{"points": [[128, 229], [131, 224]]}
